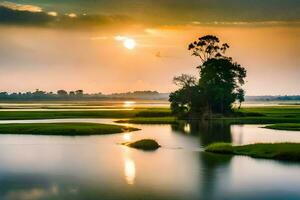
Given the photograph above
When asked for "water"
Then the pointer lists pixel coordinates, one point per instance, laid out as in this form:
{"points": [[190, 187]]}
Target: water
{"points": [[97, 167]]}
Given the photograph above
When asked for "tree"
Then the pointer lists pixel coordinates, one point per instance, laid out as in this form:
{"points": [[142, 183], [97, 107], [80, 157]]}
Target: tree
{"points": [[185, 100], [219, 85], [79, 92], [240, 96], [207, 47], [185, 80], [221, 81], [62, 93]]}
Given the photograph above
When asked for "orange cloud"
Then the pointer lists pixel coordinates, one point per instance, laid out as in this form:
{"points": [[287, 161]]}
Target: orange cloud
{"points": [[21, 7]]}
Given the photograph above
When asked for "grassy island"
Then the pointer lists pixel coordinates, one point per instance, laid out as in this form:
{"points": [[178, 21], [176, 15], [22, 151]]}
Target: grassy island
{"points": [[66, 129], [288, 127], [144, 144], [279, 151]]}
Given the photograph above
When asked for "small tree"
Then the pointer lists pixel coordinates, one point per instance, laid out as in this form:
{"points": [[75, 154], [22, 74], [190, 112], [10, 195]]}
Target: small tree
{"points": [[181, 100], [185, 80], [240, 96]]}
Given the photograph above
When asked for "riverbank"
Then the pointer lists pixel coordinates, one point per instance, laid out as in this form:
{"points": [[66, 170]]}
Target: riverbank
{"points": [[65, 129], [279, 151]]}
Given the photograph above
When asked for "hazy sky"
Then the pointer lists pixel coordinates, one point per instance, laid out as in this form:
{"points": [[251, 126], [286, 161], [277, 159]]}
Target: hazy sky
{"points": [[78, 44]]}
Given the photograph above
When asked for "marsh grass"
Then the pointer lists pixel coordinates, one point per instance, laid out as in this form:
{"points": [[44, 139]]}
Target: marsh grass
{"points": [[65, 129], [278, 151], [139, 112], [254, 115], [263, 115]]}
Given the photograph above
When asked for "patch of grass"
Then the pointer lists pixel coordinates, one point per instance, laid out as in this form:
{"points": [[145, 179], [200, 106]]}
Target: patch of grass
{"points": [[264, 115], [288, 127], [144, 144], [279, 151], [147, 112], [18, 115], [66, 129], [150, 120], [154, 113]]}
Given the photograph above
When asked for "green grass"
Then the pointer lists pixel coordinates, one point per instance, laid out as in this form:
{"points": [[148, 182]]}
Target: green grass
{"points": [[288, 127], [66, 129], [253, 115], [144, 144], [139, 112], [150, 120], [264, 115], [280, 151]]}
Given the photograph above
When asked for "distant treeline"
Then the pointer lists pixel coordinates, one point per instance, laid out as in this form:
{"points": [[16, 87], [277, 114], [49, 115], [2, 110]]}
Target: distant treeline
{"points": [[273, 98], [79, 95]]}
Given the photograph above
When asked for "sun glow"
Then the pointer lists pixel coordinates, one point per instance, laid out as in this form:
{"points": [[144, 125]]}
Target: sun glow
{"points": [[128, 43], [128, 104], [127, 137]]}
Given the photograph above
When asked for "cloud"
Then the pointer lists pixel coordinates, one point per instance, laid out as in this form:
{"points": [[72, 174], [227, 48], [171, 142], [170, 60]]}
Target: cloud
{"points": [[246, 23], [71, 15], [21, 7], [150, 13], [18, 14], [13, 16], [52, 13]]}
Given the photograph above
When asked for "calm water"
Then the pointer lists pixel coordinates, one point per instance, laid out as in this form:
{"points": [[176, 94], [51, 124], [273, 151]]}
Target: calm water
{"points": [[97, 167]]}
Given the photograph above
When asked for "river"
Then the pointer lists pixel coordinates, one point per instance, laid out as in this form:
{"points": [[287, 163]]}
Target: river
{"points": [[98, 167]]}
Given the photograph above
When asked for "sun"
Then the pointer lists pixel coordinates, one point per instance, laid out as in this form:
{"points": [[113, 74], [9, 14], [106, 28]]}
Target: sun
{"points": [[129, 43]]}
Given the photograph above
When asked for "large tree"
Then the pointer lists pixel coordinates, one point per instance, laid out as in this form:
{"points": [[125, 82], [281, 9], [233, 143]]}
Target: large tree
{"points": [[219, 85]]}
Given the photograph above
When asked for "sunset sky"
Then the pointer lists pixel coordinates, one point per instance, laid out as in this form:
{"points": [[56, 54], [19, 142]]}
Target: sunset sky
{"points": [[124, 45]]}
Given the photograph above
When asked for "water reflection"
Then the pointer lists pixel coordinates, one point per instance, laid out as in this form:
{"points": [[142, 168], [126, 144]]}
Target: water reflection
{"points": [[250, 134], [220, 131], [127, 104], [96, 167], [211, 179], [208, 132], [129, 170], [129, 167], [32, 193], [127, 137]]}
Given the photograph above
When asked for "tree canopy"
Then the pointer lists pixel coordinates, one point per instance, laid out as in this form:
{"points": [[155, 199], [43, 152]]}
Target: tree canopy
{"points": [[219, 84]]}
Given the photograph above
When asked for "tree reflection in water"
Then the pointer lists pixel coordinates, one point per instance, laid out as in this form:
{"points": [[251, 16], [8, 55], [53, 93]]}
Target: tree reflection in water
{"points": [[207, 131]]}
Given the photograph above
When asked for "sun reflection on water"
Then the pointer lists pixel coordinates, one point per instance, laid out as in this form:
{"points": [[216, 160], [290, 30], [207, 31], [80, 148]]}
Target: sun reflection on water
{"points": [[187, 128], [129, 171], [129, 104], [127, 137], [129, 168]]}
